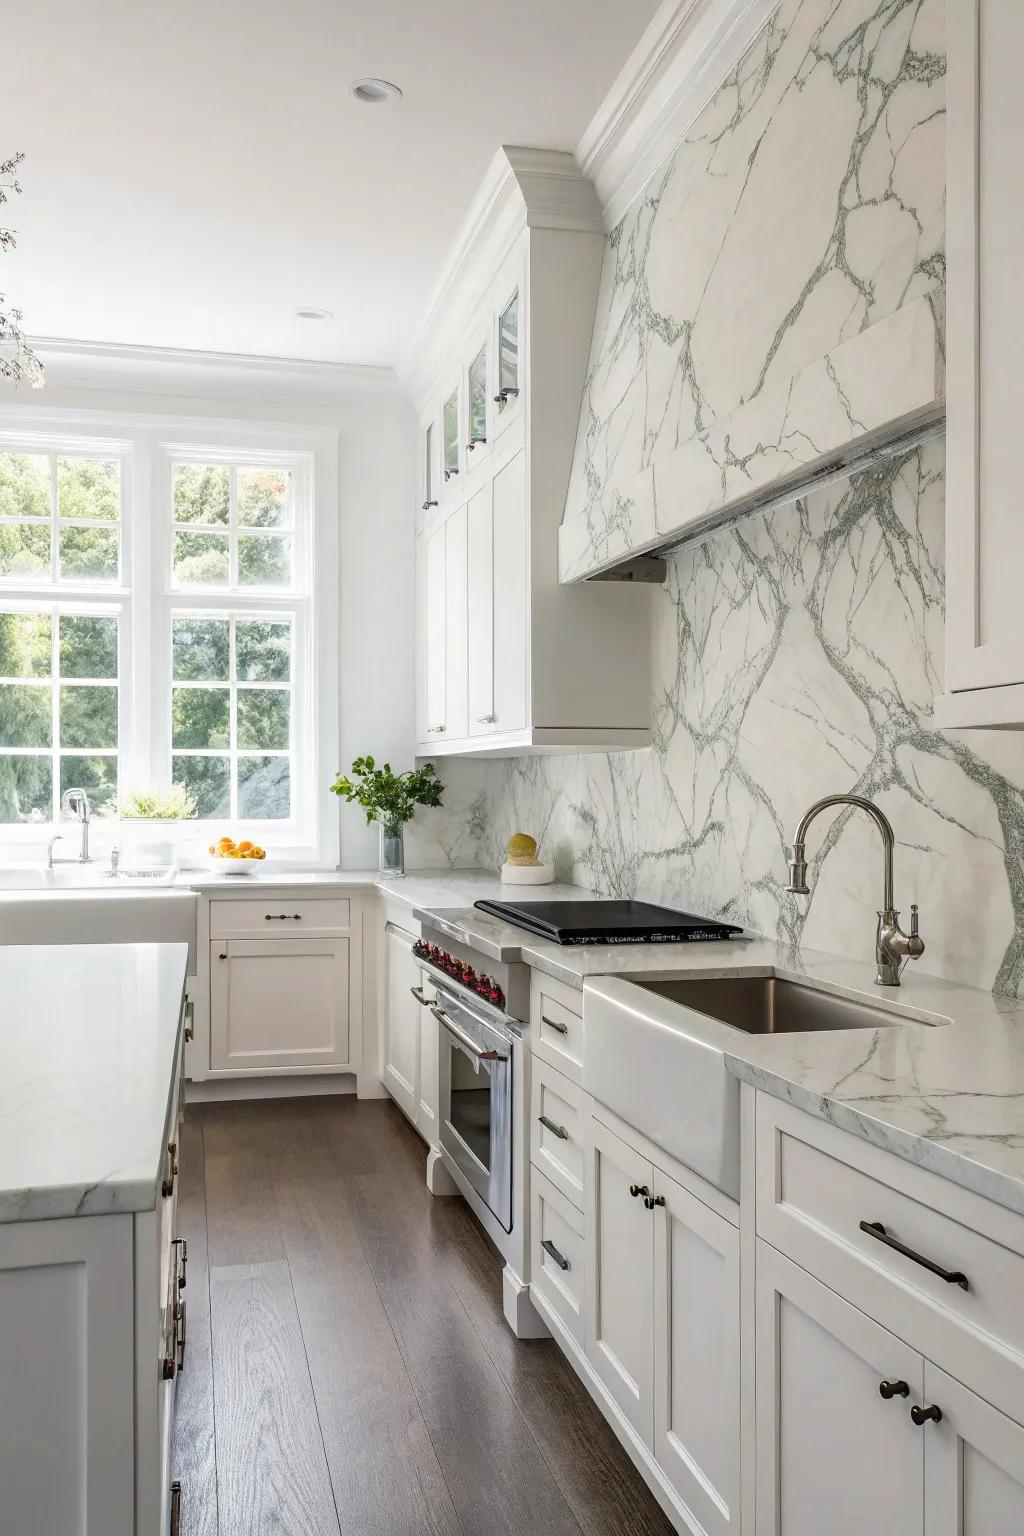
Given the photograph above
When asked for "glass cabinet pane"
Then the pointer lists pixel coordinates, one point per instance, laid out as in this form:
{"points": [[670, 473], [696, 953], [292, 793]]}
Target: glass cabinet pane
{"points": [[428, 468], [478, 398], [508, 352], [450, 433]]}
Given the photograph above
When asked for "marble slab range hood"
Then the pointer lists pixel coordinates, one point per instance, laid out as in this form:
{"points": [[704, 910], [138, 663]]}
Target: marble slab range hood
{"points": [[873, 394]]}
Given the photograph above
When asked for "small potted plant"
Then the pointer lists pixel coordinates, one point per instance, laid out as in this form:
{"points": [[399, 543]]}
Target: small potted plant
{"points": [[157, 808], [390, 799]]}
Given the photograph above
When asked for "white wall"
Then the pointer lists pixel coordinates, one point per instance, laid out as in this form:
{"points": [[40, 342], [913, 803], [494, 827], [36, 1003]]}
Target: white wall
{"points": [[376, 453]]}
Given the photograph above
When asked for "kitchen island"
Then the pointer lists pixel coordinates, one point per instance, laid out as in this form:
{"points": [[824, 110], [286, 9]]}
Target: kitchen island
{"points": [[92, 1324]]}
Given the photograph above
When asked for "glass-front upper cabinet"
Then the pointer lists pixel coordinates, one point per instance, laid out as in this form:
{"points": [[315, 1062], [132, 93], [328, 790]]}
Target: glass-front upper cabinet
{"points": [[429, 467], [450, 434], [508, 353], [476, 390]]}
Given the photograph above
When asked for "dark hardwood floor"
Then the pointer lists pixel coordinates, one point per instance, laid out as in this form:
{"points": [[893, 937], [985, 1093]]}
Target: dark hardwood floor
{"points": [[349, 1371]]}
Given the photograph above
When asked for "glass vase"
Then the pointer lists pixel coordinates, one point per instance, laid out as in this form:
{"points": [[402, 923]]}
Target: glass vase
{"points": [[392, 850]]}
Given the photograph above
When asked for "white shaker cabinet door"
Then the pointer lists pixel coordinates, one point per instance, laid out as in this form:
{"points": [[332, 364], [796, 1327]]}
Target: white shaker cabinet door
{"points": [[456, 707], [401, 1021], [511, 556], [974, 1463], [696, 1355], [279, 1005], [833, 1454], [480, 564], [434, 633], [620, 1276], [985, 225]]}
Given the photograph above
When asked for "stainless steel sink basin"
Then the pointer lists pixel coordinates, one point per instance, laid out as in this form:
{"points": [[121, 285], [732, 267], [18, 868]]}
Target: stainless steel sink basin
{"points": [[766, 1005]]}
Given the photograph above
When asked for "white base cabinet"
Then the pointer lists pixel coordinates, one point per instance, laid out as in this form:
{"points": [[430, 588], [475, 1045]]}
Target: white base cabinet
{"points": [[410, 1047], [285, 980]]}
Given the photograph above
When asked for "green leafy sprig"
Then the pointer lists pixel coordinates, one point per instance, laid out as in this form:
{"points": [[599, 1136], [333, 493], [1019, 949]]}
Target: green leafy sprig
{"points": [[388, 797]]}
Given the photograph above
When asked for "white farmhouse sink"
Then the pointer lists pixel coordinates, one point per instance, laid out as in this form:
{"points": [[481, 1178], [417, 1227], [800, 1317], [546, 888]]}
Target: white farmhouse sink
{"points": [[654, 1054], [83, 877]]}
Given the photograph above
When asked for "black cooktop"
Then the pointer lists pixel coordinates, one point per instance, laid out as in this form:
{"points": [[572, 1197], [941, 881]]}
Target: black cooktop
{"points": [[607, 922]]}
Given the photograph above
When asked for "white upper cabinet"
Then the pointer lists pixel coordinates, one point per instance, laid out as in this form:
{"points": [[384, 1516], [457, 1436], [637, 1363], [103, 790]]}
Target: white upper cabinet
{"points": [[508, 661], [984, 231]]}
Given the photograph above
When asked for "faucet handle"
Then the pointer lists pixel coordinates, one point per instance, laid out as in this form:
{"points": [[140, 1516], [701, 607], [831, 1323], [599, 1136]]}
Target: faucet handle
{"points": [[797, 871]]}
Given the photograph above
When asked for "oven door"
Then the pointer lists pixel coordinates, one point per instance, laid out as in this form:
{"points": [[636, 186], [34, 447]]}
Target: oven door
{"points": [[476, 1101]]}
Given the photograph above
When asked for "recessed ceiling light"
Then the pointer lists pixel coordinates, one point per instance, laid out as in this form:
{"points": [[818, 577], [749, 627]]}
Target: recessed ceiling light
{"points": [[372, 92], [310, 312]]}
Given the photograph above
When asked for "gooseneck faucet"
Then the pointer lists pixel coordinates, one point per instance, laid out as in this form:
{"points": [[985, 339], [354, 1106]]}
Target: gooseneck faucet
{"points": [[893, 947], [74, 803]]}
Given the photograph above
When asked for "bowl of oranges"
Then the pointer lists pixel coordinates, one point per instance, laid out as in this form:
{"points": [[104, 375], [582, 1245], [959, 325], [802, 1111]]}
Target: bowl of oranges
{"points": [[240, 858]]}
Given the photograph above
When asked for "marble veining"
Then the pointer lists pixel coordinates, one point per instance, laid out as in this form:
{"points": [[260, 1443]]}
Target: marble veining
{"points": [[803, 208], [794, 655]]}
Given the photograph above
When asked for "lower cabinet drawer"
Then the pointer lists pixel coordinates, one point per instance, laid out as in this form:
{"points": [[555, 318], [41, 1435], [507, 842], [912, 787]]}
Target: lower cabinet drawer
{"points": [[939, 1266], [556, 1019], [276, 917], [558, 1115], [557, 1253]]}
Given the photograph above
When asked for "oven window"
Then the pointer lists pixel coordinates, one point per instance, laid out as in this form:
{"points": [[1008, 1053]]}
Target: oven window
{"points": [[471, 1105]]}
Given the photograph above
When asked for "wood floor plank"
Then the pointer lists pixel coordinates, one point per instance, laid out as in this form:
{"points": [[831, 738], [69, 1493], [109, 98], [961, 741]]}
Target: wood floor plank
{"points": [[193, 1458], [498, 1479], [603, 1488], [384, 1471], [272, 1476]]}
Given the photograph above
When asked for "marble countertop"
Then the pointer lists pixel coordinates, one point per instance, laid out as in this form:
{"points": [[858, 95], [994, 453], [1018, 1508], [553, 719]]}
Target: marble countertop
{"points": [[87, 1043]]}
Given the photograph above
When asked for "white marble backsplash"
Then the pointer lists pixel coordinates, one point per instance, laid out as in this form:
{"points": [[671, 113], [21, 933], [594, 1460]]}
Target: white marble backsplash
{"points": [[794, 655]]}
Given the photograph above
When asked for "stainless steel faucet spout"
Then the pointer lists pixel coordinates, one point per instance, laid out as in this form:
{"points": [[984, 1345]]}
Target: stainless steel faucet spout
{"points": [[893, 947]]}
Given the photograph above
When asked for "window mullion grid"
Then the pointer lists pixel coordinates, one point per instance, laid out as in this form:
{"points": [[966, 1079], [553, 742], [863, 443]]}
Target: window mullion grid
{"points": [[233, 707], [55, 709], [54, 523]]}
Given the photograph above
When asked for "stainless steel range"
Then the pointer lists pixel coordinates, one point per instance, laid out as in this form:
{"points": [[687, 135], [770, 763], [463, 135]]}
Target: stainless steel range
{"points": [[481, 1006]]}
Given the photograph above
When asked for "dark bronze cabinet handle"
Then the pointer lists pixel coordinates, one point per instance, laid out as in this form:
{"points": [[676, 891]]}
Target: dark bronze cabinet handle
{"points": [[639, 1189], [180, 1339], [501, 398], [190, 1015], [922, 1415], [563, 1029], [181, 1244], [428, 504], [951, 1276], [556, 1130], [559, 1258], [890, 1389], [417, 993], [167, 1187], [222, 956], [175, 1526], [282, 917], [652, 1200]]}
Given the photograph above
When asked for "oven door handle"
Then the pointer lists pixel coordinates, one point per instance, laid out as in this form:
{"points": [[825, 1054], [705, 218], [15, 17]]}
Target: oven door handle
{"points": [[466, 1041]]}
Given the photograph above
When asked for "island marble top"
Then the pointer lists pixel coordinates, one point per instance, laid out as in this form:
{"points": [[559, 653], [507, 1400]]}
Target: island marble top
{"points": [[87, 1047]]}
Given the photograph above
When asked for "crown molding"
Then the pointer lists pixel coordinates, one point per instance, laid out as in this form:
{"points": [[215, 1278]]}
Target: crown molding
{"points": [[686, 52], [522, 189], [181, 371]]}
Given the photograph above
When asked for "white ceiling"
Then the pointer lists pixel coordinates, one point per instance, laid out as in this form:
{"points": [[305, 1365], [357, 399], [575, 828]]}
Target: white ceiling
{"points": [[196, 170]]}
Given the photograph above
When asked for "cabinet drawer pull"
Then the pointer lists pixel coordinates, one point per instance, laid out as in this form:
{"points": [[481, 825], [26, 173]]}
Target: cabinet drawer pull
{"points": [[556, 1130], [559, 1258], [167, 1187], [174, 1529], [890, 1389], [179, 1342], [282, 917], [639, 1189], [563, 1029], [922, 1415], [181, 1244], [428, 504], [190, 1016], [501, 398], [417, 993], [951, 1276]]}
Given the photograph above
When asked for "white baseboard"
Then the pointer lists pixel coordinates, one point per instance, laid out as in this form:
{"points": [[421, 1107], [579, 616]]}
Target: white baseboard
{"points": [[217, 1090]]}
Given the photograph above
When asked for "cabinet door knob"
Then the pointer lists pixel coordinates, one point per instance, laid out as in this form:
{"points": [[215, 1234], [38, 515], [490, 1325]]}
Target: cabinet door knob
{"points": [[639, 1189], [222, 956], [652, 1200], [888, 1389], [486, 719], [922, 1415]]}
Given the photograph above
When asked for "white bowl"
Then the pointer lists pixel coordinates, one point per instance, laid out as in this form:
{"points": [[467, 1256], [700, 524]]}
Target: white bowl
{"points": [[235, 866]]}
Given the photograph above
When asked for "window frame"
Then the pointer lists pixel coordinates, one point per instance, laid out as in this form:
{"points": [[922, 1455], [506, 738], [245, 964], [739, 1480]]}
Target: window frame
{"points": [[145, 598]]}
